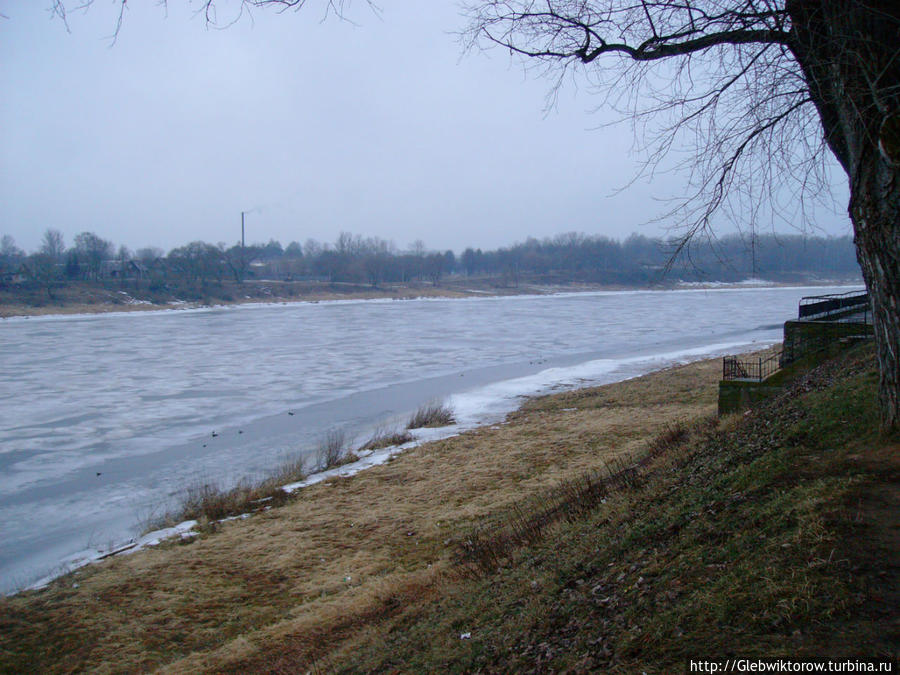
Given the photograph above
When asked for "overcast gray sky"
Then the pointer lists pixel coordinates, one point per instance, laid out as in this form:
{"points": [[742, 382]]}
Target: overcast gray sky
{"points": [[381, 128]]}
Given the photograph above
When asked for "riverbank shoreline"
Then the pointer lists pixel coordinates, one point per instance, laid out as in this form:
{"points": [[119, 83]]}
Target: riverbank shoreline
{"points": [[143, 435], [237, 497], [627, 511], [469, 474], [94, 299]]}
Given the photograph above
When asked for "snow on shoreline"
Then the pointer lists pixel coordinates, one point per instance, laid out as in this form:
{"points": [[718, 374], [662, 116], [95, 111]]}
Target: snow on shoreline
{"points": [[477, 295], [482, 406], [80, 559]]}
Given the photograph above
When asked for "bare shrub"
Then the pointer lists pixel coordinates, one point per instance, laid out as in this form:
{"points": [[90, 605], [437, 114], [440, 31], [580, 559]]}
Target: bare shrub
{"points": [[331, 449], [433, 414], [207, 501], [291, 470], [671, 436]]}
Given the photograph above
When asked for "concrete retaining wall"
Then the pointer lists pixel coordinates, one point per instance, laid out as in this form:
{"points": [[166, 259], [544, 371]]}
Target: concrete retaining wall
{"points": [[802, 338], [806, 344]]}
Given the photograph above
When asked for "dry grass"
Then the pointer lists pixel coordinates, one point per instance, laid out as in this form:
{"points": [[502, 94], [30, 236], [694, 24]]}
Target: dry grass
{"points": [[345, 551], [770, 537], [331, 450], [208, 501], [384, 438], [434, 414], [489, 548], [620, 538]]}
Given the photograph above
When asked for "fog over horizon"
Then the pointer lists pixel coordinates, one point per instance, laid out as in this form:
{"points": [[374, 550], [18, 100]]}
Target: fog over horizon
{"points": [[379, 126]]}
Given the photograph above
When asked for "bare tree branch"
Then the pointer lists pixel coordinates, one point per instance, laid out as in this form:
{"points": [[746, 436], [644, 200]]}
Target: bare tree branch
{"points": [[706, 86], [209, 10], [745, 96]]}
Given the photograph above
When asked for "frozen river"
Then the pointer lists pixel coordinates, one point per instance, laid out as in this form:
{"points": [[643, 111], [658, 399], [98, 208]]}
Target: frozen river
{"points": [[105, 417]]}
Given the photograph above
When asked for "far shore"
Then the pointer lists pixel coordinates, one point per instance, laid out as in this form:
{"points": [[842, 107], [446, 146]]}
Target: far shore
{"points": [[101, 299], [11, 310], [115, 299]]}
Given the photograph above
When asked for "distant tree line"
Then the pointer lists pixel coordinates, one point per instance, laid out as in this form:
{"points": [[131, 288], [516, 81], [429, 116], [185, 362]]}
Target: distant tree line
{"points": [[641, 260], [638, 260]]}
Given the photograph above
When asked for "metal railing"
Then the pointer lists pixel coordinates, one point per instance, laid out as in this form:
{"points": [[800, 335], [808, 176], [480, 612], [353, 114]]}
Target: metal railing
{"points": [[757, 369], [852, 306]]}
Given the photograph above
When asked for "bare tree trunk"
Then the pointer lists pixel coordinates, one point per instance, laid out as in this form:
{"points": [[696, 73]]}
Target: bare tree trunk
{"points": [[875, 210], [847, 51]]}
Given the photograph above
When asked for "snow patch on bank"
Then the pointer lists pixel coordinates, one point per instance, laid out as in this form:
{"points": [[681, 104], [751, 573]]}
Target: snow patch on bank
{"points": [[90, 555], [752, 282], [488, 405]]}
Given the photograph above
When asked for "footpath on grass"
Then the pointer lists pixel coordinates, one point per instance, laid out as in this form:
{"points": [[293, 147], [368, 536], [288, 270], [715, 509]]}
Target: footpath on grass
{"points": [[621, 528]]}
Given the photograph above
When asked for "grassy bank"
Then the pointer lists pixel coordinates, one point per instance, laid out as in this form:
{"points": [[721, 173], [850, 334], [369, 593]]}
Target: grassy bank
{"points": [[767, 535], [621, 527]]}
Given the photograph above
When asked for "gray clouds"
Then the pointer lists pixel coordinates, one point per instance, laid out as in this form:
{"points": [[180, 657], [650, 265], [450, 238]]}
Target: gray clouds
{"points": [[378, 128]]}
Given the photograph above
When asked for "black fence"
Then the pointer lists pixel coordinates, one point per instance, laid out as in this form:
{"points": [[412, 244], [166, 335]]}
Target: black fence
{"points": [[834, 312], [852, 306], [757, 369]]}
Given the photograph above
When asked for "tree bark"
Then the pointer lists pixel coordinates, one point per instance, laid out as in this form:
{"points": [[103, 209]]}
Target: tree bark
{"points": [[848, 53], [875, 211]]}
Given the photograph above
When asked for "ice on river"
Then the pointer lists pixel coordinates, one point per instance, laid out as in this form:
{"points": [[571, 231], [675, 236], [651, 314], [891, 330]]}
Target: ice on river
{"points": [[104, 419]]}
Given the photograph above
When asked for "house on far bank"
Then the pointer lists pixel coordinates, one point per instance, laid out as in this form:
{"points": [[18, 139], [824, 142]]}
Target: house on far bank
{"points": [[130, 270], [16, 275]]}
